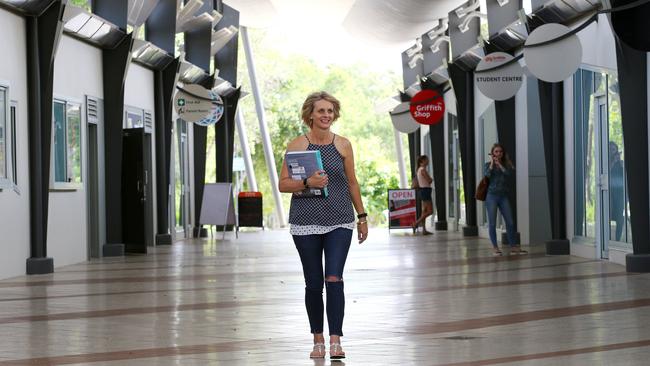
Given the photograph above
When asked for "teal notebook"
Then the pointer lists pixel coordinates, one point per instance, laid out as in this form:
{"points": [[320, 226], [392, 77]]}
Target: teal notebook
{"points": [[303, 164]]}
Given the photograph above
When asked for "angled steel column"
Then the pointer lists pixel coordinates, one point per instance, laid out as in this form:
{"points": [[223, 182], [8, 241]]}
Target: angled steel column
{"points": [[414, 150], [116, 63], [633, 67], [43, 34], [399, 149], [243, 141], [161, 31], [197, 48], [463, 85], [551, 100], [165, 85], [437, 139], [414, 153], [226, 61], [199, 146], [266, 139], [506, 131]]}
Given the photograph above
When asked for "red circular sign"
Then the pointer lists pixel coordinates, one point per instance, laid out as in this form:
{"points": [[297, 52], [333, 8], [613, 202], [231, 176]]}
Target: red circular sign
{"points": [[428, 107]]}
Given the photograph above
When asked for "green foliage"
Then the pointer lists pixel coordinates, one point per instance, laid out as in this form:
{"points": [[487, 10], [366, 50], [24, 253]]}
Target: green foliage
{"points": [[285, 80], [84, 4], [374, 189]]}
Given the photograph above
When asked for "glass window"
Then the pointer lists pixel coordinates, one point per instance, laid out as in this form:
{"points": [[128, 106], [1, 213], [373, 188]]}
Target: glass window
{"points": [[67, 142], [619, 213], [59, 143], [133, 118], [584, 151], [14, 157], [73, 119], [598, 144], [3, 133]]}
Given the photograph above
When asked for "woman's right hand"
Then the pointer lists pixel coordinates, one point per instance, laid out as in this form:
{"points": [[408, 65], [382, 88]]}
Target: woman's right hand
{"points": [[318, 179]]}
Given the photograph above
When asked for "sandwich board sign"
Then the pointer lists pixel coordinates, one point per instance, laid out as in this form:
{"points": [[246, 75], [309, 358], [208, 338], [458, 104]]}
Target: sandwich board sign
{"points": [[217, 207]]}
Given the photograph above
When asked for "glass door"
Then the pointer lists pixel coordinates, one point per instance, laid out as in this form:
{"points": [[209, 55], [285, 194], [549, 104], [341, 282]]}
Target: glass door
{"points": [[455, 182], [602, 214], [181, 181], [602, 178]]}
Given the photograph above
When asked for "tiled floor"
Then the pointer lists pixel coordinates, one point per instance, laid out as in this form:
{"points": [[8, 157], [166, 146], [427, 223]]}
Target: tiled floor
{"points": [[411, 300]]}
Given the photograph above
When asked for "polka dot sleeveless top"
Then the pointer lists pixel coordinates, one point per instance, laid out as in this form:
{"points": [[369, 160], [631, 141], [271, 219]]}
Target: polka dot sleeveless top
{"points": [[320, 215]]}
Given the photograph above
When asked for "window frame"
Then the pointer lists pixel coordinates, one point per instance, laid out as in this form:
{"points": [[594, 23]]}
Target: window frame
{"points": [[13, 121], [67, 186], [133, 110], [8, 181]]}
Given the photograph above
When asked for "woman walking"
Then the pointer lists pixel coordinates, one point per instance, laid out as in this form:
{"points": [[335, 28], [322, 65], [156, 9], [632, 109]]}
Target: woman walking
{"points": [[498, 169], [424, 184], [323, 225]]}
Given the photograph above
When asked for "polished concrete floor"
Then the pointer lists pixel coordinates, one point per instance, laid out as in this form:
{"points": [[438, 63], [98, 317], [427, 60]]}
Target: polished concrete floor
{"points": [[411, 300]]}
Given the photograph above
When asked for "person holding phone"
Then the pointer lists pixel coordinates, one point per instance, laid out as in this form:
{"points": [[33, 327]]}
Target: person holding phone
{"points": [[498, 169], [324, 225]]}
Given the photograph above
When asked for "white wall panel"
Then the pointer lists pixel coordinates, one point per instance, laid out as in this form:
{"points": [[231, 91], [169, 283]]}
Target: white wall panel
{"points": [[77, 73], [14, 207]]}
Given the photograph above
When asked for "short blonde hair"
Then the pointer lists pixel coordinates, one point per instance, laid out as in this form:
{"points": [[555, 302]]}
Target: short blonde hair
{"points": [[308, 106]]}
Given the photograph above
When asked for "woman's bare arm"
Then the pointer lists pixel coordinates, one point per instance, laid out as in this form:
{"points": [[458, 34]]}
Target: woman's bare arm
{"points": [[345, 148], [286, 184]]}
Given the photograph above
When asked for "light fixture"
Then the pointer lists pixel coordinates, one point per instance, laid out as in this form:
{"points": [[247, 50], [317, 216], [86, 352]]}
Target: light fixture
{"points": [[139, 11], [221, 37], [194, 22], [185, 19], [503, 2], [74, 18], [472, 6], [185, 12], [90, 28], [387, 104], [104, 30], [216, 17], [440, 29], [414, 61], [415, 49], [435, 47], [464, 25]]}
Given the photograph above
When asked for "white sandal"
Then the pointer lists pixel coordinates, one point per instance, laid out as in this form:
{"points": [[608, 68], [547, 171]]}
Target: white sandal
{"points": [[336, 351], [318, 351]]}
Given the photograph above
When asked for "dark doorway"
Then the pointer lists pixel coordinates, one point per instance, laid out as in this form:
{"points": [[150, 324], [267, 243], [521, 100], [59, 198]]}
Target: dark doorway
{"points": [[93, 192], [137, 197]]}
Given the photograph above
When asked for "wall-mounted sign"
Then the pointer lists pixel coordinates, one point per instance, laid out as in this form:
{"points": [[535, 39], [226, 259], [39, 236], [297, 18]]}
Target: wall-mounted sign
{"points": [[428, 107], [196, 104], [498, 82], [402, 119], [557, 60]]}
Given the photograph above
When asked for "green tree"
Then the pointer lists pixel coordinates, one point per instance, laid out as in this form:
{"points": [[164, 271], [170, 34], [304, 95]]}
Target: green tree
{"points": [[284, 81]]}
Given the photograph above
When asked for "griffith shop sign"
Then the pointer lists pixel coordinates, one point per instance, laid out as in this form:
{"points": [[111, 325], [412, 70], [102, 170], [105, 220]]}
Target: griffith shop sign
{"points": [[428, 107]]}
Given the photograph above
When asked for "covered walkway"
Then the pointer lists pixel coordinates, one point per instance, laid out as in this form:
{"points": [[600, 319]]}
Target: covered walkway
{"points": [[438, 300]]}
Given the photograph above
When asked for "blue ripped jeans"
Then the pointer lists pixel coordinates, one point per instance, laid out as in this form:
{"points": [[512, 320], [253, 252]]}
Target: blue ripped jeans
{"points": [[492, 202], [335, 244]]}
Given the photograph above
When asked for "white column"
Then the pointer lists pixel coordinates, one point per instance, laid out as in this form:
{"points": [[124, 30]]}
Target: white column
{"points": [[403, 180], [243, 141], [266, 138]]}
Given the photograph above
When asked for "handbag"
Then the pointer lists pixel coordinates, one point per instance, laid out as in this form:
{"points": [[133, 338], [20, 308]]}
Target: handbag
{"points": [[482, 189]]}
